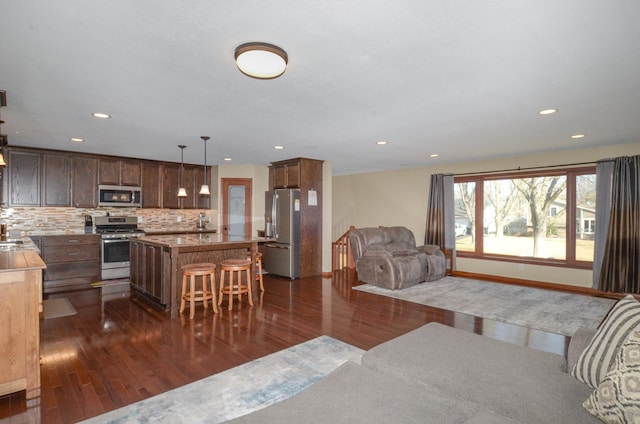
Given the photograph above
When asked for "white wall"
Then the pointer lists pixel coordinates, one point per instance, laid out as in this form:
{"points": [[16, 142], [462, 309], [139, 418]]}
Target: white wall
{"points": [[400, 198]]}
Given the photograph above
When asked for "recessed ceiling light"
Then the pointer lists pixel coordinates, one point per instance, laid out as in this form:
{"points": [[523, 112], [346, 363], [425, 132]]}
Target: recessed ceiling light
{"points": [[228, 159], [77, 139], [434, 155], [278, 147], [381, 142], [578, 136], [101, 115], [547, 111]]}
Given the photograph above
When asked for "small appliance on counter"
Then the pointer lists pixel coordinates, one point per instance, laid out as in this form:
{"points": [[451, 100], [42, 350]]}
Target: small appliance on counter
{"points": [[88, 224]]}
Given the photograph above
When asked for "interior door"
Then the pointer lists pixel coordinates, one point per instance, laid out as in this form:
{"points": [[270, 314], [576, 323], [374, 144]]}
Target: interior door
{"points": [[236, 207]]}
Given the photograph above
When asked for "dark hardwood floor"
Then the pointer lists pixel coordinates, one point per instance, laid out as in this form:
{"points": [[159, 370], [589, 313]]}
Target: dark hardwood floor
{"points": [[114, 353]]}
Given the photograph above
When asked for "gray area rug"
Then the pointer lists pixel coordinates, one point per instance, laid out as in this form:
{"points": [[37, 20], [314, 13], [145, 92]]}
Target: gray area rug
{"points": [[57, 307], [240, 390], [547, 310]]}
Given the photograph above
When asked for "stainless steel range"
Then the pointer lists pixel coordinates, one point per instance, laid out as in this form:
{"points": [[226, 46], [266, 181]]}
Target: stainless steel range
{"points": [[115, 233]]}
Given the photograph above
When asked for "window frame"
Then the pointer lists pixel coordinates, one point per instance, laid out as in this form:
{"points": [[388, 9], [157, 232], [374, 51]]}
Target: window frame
{"points": [[571, 174]]}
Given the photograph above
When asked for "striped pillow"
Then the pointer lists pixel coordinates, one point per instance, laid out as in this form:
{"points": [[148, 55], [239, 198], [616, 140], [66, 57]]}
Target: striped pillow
{"points": [[595, 361]]}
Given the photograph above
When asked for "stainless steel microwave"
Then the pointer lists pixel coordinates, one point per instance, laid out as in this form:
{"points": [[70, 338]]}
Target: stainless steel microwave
{"points": [[119, 196]]}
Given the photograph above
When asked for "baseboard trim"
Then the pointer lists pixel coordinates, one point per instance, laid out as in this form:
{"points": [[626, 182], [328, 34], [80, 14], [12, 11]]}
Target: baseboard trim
{"points": [[538, 284]]}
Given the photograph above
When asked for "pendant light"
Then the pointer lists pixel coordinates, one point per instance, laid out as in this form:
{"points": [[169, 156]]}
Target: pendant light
{"points": [[204, 190], [182, 192]]}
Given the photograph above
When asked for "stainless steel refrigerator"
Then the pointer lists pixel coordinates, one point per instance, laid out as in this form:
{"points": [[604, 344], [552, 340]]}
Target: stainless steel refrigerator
{"points": [[282, 223]]}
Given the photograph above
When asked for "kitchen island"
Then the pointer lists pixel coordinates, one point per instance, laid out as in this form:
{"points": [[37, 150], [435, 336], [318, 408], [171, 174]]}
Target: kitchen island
{"points": [[156, 262], [20, 307]]}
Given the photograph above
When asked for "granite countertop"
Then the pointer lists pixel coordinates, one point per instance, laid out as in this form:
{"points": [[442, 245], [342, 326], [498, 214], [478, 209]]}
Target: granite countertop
{"points": [[20, 244], [188, 231], [189, 240]]}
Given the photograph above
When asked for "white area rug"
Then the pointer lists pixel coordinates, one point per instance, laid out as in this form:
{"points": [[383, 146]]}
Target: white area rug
{"points": [[547, 310], [242, 389], [57, 307]]}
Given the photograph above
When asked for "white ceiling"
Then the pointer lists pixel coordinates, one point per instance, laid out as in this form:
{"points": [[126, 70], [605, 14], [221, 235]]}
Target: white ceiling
{"points": [[464, 79]]}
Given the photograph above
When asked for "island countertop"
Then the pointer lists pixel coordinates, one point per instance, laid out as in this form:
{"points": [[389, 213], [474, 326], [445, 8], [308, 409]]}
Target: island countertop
{"points": [[198, 240]]}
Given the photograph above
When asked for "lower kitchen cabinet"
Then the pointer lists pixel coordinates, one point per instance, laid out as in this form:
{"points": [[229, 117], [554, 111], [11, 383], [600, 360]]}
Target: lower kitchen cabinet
{"points": [[73, 262], [146, 271]]}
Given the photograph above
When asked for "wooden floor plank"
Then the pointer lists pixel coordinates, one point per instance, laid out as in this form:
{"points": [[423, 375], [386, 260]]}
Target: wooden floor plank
{"points": [[114, 353]]}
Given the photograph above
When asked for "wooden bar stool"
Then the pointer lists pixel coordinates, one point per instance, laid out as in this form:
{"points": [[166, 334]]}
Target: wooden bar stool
{"points": [[235, 267], [259, 270], [190, 272]]}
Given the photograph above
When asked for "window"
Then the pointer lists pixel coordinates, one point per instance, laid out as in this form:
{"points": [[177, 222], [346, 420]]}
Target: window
{"points": [[525, 216]]}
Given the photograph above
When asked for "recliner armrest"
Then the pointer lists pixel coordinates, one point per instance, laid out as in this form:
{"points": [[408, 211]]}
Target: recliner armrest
{"points": [[431, 249]]}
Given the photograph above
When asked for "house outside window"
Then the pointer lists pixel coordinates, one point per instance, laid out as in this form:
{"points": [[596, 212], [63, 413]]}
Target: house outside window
{"points": [[524, 216]]}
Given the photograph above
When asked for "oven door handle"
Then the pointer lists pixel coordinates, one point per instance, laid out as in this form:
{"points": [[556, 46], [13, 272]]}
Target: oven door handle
{"points": [[118, 240]]}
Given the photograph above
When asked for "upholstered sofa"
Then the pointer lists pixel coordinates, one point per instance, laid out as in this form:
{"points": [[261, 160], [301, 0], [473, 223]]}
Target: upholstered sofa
{"points": [[439, 374], [388, 257]]}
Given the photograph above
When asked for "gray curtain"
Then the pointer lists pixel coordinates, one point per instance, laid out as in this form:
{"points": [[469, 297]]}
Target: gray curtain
{"points": [[604, 174], [620, 271], [440, 227]]}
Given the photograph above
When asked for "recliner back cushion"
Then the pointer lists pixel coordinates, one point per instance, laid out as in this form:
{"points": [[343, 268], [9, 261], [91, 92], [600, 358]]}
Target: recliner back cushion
{"points": [[399, 235]]}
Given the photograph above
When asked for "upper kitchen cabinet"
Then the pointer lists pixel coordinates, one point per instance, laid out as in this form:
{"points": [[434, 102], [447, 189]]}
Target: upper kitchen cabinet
{"points": [[151, 185], [170, 183], [192, 179], [23, 178], [84, 182], [56, 181], [119, 172], [285, 174]]}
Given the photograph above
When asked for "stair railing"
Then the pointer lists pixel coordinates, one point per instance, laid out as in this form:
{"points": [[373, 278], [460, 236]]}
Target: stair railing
{"points": [[342, 256]]}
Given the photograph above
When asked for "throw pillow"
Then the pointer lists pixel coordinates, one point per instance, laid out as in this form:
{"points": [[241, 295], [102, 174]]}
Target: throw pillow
{"points": [[596, 360], [617, 398]]}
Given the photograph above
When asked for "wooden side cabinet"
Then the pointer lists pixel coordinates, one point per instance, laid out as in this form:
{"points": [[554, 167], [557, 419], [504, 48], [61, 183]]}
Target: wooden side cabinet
{"points": [[20, 308], [119, 172]]}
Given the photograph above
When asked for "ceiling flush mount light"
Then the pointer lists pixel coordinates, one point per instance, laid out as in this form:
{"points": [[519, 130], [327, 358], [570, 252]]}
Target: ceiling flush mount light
{"points": [[261, 60], [547, 111], [181, 191], [204, 189], [101, 115]]}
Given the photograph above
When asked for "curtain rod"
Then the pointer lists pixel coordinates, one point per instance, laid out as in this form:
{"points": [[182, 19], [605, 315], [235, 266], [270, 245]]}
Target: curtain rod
{"points": [[531, 168]]}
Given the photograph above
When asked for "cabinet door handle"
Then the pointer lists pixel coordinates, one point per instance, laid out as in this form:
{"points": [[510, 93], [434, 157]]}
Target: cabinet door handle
{"points": [[73, 253], [72, 241]]}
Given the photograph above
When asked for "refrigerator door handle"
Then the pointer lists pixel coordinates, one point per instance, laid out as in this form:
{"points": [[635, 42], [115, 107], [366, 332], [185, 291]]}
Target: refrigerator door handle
{"points": [[277, 246], [274, 215]]}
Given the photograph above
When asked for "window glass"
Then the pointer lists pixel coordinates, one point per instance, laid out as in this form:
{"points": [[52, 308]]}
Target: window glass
{"points": [[527, 215], [465, 201], [585, 216]]}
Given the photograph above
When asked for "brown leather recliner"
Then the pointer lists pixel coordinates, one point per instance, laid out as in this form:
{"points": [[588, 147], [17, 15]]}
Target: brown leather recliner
{"points": [[388, 257]]}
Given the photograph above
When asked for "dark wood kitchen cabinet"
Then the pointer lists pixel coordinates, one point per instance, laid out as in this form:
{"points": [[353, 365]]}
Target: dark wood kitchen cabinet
{"points": [[146, 271], [151, 185], [170, 183], [73, 261], [84, 178], [286, 174], [23, 178], [192, 180], [56, 181], [120, 172]]}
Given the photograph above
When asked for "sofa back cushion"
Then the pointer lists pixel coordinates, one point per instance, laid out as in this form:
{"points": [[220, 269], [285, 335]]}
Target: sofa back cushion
{"points": [[401, 235]]}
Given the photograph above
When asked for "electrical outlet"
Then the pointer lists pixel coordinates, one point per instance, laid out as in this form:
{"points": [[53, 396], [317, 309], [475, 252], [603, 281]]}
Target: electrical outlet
{"points": [[521, 267], [179, 218]]}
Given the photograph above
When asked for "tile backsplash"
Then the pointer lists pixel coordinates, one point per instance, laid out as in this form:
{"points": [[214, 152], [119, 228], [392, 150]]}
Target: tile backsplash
{"points": [[27, 220]]}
